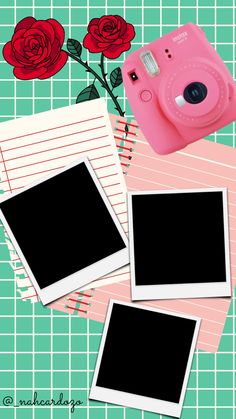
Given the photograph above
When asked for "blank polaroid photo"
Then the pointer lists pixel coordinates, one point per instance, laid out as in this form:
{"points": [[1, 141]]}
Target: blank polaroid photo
{"points": [[145, 358], [64, 230], [179, 244]]}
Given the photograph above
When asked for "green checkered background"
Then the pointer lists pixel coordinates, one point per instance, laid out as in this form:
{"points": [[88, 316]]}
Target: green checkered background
{"points": [[52, 352]]}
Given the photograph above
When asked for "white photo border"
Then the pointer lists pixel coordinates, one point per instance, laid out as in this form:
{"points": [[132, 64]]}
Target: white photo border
{"points": [[86, 275], [134, 400], [173, 291]]}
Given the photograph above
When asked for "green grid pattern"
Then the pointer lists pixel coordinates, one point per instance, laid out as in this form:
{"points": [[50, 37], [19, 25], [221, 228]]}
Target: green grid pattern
{"points": [[50, 351]]}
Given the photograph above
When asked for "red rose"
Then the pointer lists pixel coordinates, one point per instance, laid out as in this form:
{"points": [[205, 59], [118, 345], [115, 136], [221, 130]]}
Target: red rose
{"points": [[35, 49], [110, 35]]}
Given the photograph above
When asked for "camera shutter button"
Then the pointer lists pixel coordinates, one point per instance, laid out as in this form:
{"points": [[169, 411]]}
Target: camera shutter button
{"points": [[145, 95]]}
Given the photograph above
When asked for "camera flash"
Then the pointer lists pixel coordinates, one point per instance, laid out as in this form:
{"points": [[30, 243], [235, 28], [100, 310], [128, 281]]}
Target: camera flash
{"points": [[149, 63]]}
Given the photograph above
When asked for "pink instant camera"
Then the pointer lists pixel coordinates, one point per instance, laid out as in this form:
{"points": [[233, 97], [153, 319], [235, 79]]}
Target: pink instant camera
{"points": [[179, 89]]}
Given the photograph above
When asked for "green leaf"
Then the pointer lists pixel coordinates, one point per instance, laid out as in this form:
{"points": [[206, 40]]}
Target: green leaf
{"points": [[89, 93], [74, 47], [116, 77]]}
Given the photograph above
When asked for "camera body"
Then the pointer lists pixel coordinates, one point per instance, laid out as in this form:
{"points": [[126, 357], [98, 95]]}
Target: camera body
{"points": [[179, 89]]}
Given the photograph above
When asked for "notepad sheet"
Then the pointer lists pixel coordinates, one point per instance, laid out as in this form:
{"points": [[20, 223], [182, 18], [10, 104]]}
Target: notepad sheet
{"points": [[38, 145]]}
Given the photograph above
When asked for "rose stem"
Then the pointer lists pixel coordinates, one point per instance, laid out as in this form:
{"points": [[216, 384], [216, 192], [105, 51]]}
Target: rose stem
{"points": [[103, 82], [114, 98]]}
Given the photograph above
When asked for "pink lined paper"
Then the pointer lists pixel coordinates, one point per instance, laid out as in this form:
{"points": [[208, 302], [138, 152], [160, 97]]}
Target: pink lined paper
{"points": [[202, 164]]}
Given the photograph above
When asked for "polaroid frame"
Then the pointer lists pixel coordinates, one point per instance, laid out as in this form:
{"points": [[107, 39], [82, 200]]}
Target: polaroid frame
{"points": [[85, 275], [172, 291], [134, 400]]}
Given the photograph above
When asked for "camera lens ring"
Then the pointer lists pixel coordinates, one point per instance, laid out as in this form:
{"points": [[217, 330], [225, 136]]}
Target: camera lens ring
{"points": [[195, 92], [213, 106]]}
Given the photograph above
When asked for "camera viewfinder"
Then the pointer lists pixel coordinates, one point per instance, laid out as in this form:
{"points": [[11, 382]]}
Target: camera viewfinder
{"points": [[133, 76]]}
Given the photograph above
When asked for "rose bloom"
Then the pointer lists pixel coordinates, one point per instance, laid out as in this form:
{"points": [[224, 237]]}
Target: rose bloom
{"points": [[110, 35], [35, 49]]}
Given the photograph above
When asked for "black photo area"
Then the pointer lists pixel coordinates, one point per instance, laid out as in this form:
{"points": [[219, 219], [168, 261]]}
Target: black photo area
{"points": [[146, 353], [62, 225], [179, 238]]}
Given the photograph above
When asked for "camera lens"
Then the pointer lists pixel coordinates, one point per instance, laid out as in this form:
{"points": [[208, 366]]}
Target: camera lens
{"points": [[195, 92]]}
